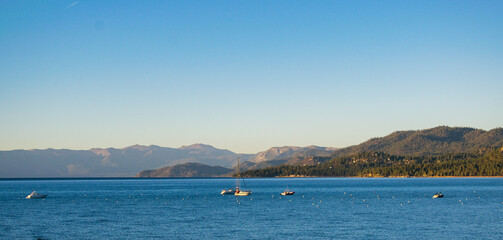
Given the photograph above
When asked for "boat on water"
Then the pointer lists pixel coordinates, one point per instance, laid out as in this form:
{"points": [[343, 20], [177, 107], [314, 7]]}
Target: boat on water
{"points": [[240, 192], [287, 192], [438, 195], [228, 191], [35, 195]]}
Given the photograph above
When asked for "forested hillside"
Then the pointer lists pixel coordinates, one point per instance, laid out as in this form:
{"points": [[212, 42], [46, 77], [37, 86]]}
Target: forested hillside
{"points": [[484, 162], [433, 141]]}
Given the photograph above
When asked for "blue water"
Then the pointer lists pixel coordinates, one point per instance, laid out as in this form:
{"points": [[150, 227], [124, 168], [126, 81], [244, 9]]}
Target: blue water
{"points": [[322, 208]]}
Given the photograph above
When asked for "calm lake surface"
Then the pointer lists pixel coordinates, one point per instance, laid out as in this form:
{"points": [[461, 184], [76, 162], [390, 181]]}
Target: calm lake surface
{"points": [[322, 208]]}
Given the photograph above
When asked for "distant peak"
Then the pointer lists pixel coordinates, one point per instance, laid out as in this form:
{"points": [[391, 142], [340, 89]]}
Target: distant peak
{"points": [[138, 147], [314, 147], [284, 148], [198, 146]]}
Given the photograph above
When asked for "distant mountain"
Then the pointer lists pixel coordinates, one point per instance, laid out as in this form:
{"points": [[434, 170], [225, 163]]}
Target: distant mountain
{"points": [[274, 156], [276, 153], [289, 155], [109, 162], [187, 170], [433, 141]]}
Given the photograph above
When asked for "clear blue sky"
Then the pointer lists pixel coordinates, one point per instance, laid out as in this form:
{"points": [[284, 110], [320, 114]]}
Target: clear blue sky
{"points": [[244, 75]]}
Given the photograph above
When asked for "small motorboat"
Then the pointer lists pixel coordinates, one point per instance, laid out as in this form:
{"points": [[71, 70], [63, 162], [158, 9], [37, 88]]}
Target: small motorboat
{"points": [[229, 191], [287, 192], [35, 195], [438, 195]]}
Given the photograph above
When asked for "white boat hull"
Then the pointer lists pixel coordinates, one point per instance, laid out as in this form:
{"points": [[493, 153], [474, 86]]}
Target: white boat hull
{"points": [[35, 195], [228, 192], [287, 193], [242, 193]]}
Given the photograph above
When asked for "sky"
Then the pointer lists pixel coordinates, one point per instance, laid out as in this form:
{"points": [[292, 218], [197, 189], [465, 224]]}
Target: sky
{"points": [[244, 75]]}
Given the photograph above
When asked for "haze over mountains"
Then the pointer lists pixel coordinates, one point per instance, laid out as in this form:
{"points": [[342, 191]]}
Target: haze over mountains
{"points": [[130, 161], [109, 162], [124, 162]]}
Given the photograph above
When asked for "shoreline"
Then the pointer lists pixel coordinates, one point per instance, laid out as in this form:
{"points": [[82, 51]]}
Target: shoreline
{"points": [[154, 178], [382, 177]]}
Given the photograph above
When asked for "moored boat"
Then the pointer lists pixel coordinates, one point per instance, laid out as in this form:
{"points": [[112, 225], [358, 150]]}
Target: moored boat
{"points": [[240, 192], [438, 195], [35, 195], [287, 192], [229, 191]]}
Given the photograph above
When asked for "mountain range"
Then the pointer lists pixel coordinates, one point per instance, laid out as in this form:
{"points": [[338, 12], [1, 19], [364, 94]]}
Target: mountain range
{"points": [[124, 162], [109, 162], [172, 162]]}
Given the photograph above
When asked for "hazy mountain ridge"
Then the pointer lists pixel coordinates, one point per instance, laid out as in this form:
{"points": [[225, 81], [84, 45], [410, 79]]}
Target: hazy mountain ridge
{"points": [[108, 162], [275, 153], [287, 154]]}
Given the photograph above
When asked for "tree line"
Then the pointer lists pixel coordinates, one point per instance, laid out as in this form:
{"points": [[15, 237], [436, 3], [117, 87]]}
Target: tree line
{"points": [[485, 162]]}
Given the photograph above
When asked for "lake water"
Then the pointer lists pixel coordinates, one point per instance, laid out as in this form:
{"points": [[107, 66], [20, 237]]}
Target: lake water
{"points": [[322, 208]]}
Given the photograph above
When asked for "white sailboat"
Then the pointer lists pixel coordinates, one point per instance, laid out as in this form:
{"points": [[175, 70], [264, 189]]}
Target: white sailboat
{"points": [[240, 192]]}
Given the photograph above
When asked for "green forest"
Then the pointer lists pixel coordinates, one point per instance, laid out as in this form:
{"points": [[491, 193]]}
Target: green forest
{"points": [[484, 162]]}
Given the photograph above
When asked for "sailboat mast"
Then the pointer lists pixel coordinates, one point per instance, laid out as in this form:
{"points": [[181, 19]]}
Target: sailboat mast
{"points": [[237, 178]]}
